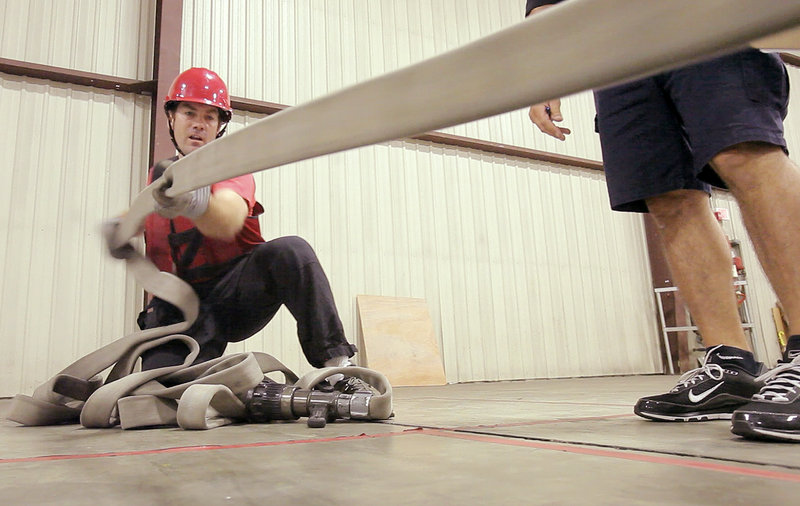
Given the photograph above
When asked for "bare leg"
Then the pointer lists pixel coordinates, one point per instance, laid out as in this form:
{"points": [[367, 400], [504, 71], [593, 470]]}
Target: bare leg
{"points": [[766, 185], [700, 260]]}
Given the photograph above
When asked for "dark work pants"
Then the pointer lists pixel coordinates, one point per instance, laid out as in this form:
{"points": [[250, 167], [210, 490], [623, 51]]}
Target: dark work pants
{"points": [[241, 302]]}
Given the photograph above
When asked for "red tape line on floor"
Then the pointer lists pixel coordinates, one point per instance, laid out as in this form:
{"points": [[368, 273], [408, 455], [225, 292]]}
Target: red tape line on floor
{"points": [[183, 449]]}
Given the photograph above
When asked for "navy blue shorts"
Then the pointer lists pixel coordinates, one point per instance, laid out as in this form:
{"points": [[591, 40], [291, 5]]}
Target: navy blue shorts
{"points": [[658, 134]]}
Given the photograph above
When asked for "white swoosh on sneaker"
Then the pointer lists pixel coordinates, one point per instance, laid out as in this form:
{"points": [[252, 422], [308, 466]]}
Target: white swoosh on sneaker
{"points": [[697, 398]]}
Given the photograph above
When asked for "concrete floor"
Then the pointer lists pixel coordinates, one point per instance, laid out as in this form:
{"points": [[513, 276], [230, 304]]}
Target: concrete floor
{"points": [[570, 441]]}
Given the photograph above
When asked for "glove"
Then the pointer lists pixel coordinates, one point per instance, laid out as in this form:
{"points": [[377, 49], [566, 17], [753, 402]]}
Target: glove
{"points": [[190, 204], [109, 229]]}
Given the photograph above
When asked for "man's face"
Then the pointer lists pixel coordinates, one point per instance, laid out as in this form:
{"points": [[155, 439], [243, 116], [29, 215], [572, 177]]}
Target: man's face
{"points": [[195, 125]]}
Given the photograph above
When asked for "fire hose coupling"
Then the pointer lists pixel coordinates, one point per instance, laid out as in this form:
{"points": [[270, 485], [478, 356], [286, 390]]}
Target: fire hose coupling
{"points": [[270, 401]]}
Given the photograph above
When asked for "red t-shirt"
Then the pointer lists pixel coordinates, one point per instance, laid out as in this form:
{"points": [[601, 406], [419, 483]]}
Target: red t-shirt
{"points": [[211, 251]]}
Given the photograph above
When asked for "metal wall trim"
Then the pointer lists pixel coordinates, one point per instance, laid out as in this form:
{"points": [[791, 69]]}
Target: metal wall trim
{"points": [[70, 76]]}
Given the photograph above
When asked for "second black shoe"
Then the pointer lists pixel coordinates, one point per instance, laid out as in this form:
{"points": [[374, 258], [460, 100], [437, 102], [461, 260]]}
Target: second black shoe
{"points": [[774, 413], [726, 381]]}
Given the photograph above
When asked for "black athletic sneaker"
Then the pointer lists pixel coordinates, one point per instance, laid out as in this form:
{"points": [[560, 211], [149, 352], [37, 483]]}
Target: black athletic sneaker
{"points": [[351, 385], [725, 382], [774, 412], [346, 384]]}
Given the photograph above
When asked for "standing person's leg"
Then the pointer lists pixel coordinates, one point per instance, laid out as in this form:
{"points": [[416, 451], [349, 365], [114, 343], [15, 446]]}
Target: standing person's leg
{"points": [[699, 258], [766, 184], [700, 262], [733, 109], [725, 105], [649, 167]]}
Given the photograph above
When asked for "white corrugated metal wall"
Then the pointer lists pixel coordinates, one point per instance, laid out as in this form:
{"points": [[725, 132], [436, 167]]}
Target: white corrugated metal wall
{"points": [[526, 271], [72, 156], [516, 282], [105, 37]]}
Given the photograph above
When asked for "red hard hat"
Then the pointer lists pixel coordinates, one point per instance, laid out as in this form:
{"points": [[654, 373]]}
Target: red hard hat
{"points": [[201, 86]]}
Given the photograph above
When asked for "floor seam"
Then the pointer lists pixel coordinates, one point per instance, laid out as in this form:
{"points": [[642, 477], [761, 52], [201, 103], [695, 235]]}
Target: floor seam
{"points": [[625, 448]]}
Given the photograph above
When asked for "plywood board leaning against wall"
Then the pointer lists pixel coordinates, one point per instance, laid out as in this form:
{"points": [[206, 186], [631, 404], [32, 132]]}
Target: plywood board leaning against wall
{"points": [[397, 339]]}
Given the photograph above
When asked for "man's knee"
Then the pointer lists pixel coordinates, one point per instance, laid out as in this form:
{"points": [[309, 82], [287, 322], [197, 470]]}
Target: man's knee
{"points": [[289, 251], [677, 206], [737, 161]]}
